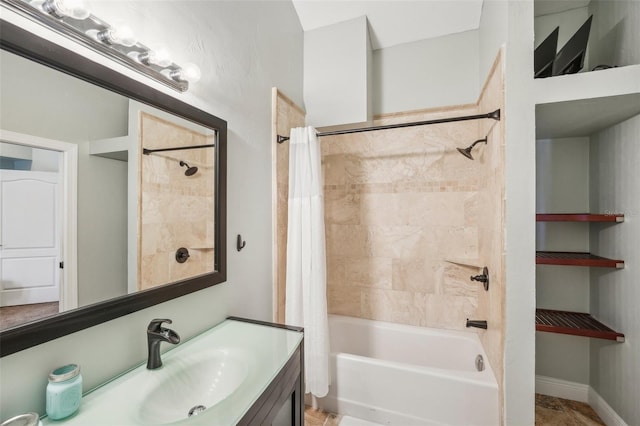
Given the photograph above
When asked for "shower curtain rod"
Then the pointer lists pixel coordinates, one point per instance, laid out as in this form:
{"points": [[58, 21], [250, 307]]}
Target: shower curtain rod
{"points": [[494, 115], [146, 151]]}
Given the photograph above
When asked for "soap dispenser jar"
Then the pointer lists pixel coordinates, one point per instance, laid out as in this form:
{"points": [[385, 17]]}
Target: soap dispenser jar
{"points": [[64, 391]]}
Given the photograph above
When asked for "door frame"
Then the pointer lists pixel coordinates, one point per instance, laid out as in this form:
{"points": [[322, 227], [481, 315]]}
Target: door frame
{"points": [[69, 234]]}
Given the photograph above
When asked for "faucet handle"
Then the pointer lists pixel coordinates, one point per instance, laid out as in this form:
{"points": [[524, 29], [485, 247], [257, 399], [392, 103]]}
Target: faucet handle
{"points": [[156, 324]]}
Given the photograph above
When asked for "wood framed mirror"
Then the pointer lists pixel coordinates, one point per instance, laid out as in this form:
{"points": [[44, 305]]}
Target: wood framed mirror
{"points": [[155, 112]]}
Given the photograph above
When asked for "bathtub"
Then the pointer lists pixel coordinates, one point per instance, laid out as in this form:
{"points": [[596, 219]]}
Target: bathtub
{"points": [[403, 375]]}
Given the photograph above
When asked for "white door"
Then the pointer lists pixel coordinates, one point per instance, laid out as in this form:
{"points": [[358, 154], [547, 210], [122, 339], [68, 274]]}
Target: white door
{"points": [[30, 234]]}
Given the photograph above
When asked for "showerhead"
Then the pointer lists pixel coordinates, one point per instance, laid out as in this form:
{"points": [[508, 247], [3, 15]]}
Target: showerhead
{"points": [[467, 151], [190, 170]]}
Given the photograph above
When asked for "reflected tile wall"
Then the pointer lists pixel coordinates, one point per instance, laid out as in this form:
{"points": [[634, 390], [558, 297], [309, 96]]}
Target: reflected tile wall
{"points": [[176, 210]]}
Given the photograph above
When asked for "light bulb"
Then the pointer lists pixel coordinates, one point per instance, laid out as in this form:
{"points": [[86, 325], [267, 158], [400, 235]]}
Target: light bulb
{"points": [[190, 72], [123, 34], [116, 34], [161, 57], [72, 8], [145, 57]]}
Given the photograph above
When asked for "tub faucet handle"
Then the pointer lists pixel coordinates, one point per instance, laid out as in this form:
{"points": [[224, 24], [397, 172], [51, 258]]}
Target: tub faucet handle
{"points": [[483, 278]]}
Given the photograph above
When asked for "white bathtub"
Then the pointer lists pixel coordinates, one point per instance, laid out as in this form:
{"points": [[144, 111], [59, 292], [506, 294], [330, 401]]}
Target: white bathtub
{"points": [[402, 375]]}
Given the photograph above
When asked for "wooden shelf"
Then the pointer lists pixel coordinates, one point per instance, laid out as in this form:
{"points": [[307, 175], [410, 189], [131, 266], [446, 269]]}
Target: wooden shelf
{"points": [[579, 217], [574, 323], [576, 259]]}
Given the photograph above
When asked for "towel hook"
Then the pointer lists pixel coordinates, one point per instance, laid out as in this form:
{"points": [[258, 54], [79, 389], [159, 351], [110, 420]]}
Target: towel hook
{"points": [[239, 243]]}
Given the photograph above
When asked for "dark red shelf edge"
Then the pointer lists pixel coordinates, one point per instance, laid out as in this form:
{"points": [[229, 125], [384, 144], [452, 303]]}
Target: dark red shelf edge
{"points": [[603, 333], [607, 335], [579, 217], [601, 262]]}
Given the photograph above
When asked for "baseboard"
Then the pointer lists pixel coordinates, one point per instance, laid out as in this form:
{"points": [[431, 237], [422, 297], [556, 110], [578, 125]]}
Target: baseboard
{"points": [[562, 388], [604, 410], [579, 392]]}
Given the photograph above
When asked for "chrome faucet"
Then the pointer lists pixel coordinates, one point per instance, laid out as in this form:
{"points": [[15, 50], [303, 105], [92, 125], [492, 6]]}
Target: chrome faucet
{"points": [[156, 334], [477, 323]]}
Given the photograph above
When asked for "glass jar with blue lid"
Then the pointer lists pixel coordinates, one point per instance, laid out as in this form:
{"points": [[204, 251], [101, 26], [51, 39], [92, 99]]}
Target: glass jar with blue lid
{"points": [[64, 391]]}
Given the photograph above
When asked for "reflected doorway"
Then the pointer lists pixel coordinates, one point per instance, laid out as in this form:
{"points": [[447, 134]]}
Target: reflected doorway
{"points": [[37, 228]]}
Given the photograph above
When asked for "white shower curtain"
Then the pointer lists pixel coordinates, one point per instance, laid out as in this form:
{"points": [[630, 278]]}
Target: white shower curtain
{"points": [[306, 300]]}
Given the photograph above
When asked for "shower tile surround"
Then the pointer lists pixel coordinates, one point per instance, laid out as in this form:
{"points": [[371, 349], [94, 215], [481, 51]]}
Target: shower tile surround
{"points": [[285, 116], [398, 204]]}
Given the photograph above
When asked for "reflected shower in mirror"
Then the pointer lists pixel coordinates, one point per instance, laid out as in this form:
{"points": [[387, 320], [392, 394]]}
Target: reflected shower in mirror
{"points": [[105, 220]]}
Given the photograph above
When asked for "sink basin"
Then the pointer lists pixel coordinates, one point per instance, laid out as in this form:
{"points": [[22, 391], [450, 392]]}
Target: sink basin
{"points": [[191, 385]]}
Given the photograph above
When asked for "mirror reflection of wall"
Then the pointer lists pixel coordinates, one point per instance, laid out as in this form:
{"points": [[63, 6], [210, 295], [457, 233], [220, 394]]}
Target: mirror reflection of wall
{"points": [[39, 101]]}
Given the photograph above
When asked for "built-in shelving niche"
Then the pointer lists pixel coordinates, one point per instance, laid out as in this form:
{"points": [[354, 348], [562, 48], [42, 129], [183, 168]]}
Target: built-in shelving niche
{"points": [[576, 323]]}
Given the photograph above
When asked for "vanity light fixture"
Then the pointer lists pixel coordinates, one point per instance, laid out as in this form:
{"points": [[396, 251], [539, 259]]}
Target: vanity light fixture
{"points": [[117, 42]]}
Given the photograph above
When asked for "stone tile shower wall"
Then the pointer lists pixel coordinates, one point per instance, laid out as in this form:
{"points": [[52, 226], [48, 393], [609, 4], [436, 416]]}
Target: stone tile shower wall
{"points": [[398, 204], [285, 116], [490, 212]]}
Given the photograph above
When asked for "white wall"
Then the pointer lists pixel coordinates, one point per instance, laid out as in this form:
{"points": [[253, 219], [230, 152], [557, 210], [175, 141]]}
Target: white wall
{"points": [[429, 73], [15, 151], [336, 71], [614, 32], [615, 152], [615, 186], [42, 160], [512, 23], [244, 49]]}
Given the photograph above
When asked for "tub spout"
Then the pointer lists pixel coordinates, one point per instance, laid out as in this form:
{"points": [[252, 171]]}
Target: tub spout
{"points": [[477, 323]]}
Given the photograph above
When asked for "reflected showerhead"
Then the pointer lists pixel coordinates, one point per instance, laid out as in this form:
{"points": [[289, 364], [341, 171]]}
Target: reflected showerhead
{"points": [[467, 151], [190, 170]]}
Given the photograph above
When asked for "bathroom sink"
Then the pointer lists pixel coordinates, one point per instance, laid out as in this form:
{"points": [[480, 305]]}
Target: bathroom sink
{"points": [[188, 386], [222, 371]]}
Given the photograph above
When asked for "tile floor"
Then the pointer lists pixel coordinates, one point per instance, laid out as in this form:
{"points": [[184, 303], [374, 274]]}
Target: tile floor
{"points": [[316, 417], [11, 316], [550, 411]]}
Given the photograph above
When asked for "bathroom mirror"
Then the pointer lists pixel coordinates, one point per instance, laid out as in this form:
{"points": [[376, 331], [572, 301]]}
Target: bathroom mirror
{"points": [[105, 202]]}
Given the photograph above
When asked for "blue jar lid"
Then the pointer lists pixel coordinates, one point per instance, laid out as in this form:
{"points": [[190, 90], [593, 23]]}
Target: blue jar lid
{"points": [[64, 373]]}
